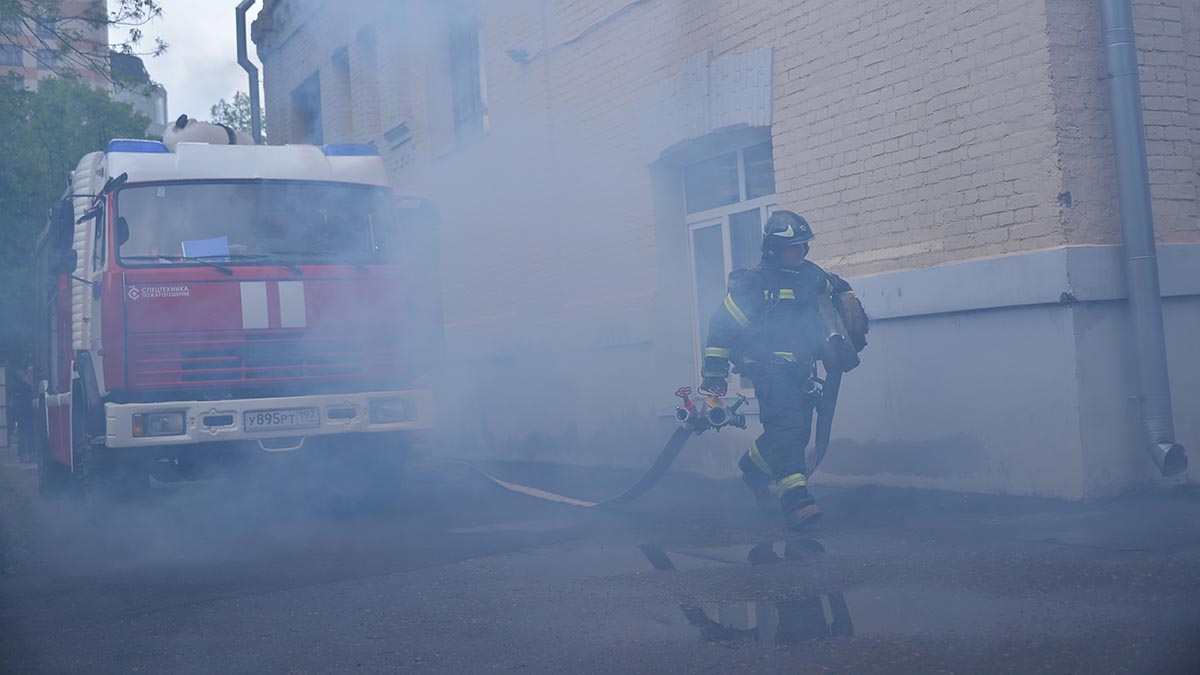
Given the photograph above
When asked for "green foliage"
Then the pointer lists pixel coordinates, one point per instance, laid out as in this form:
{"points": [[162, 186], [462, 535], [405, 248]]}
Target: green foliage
{"points": [[235, 115], [69, 33], [43, 135]]}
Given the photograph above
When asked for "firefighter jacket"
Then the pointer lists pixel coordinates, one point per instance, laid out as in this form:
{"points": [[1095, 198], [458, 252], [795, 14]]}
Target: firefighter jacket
{"points": [[769, 315]]}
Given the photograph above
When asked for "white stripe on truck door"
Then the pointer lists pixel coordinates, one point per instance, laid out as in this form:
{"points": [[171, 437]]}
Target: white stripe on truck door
{"points": [[291, 305], [254, 304]]}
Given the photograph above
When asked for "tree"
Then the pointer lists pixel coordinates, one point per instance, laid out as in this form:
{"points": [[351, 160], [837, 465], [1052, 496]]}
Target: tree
{"points": [[235, 115], [67, 41], [43, 135]]}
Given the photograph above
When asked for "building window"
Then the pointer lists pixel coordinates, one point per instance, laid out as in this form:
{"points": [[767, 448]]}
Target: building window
{"points": [[47, 59], [367, 75], [47, 29], [11, 55], [466, 79], [307, 126], [728, 199], [341, 108]]}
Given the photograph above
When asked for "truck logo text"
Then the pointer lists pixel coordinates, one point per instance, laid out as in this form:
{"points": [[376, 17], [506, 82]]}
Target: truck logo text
{"points": [[136, 292]]}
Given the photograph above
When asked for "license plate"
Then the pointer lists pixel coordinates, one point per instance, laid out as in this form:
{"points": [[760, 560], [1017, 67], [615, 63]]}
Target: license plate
{"points": [[290, 418]]}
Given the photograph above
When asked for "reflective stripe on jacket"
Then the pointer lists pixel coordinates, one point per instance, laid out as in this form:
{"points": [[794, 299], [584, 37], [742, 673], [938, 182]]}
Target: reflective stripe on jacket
{"points": [[769, 314]]}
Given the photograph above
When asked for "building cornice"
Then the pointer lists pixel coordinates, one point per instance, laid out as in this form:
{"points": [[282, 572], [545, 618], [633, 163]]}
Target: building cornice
{"points": [[1064, 275]]}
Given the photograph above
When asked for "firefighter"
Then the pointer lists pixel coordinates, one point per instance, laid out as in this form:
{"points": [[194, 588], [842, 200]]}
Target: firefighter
{"points": [[768, 326], [21, 411]]}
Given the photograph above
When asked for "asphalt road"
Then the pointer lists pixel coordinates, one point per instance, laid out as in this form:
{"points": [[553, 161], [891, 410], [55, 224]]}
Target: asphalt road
{"points": [[452, 574]]}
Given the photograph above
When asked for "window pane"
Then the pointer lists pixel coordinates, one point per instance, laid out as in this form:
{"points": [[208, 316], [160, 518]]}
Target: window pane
{"points": [[466, 83], [711, 183], [709, 250], [760, 170], [745, 238], [47, 59], [307, 125], [10, 55]]}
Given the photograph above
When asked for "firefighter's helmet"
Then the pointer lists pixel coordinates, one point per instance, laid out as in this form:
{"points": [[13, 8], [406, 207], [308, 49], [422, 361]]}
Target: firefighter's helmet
{"points": [[785, 228]]}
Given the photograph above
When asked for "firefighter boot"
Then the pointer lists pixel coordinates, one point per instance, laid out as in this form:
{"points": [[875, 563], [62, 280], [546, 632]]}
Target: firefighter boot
{"points": [[759, 482], [799, 507]]}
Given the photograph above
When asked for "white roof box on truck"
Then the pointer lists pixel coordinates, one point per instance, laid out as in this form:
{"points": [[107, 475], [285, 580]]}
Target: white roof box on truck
{"points": [[150, 161]]}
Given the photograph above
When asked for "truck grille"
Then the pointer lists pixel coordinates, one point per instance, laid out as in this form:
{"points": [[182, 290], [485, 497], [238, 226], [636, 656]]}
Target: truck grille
{"points": [[157, 359]]}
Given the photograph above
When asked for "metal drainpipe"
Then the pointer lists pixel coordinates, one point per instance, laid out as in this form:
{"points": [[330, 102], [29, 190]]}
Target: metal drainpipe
{"points": [[251, 70], [1137, 223]]}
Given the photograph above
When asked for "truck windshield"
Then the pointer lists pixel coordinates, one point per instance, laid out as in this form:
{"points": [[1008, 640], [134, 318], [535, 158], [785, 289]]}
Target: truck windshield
{"points": [[248, 222]]}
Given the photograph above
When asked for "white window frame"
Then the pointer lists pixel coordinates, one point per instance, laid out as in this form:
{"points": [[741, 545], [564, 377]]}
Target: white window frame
{"points": [[714, 217]]}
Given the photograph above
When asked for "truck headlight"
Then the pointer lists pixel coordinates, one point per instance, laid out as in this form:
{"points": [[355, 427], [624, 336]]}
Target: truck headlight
{"points": [[388, 410], [159, 424]]}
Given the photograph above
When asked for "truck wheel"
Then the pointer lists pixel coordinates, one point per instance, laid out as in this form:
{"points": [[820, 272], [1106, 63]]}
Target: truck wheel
{"points": [[101, 471], [54, 479]]}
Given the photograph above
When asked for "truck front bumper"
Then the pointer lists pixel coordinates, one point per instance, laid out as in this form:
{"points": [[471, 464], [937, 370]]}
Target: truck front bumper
{"points": [[224, 421]]}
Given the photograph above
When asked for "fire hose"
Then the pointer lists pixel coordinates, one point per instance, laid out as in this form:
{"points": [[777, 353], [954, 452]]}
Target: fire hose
{"points": [[694, 418]]}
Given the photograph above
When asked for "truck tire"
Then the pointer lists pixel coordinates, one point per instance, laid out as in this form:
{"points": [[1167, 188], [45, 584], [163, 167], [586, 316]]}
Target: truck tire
{"points": [[100, 471], [54, 479]]}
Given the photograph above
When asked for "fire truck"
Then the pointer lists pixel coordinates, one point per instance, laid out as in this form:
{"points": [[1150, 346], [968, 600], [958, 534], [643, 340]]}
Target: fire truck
{"points": [[197, 302]]}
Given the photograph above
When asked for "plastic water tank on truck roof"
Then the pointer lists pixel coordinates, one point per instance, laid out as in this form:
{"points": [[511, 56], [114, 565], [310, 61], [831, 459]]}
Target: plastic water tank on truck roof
{"points": [[150, 161]]}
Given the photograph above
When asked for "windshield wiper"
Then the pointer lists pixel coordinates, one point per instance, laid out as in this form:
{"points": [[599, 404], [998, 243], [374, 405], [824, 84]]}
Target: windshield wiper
{"points": [[256, 256], [323, 254], [182, 258]]}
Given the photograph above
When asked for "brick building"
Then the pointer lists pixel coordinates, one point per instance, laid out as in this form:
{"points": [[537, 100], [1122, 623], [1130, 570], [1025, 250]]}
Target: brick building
{"points": [[601, 167]]}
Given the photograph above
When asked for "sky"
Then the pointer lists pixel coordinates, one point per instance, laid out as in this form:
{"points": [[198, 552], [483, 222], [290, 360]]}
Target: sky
{"points": [[200, 66]]}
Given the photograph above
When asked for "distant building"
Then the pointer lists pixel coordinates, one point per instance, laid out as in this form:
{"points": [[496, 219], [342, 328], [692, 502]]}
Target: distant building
{"points": [[132, 84], [30, 51], [602, 166]]}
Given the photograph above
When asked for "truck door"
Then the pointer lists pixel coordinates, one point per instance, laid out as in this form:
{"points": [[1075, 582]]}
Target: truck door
{"points": [[57, 261], [94, 273]]}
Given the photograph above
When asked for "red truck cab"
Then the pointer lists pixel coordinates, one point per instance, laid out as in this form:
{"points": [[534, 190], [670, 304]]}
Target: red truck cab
{"points": [[215, 299]]}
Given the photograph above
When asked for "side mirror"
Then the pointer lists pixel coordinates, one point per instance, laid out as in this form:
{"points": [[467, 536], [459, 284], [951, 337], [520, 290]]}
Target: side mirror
{"points": [[122, 230], [62, 220], [67, 261]]}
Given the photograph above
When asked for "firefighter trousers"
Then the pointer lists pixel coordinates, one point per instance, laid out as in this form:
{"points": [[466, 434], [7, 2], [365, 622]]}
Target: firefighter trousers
{"points": [[786, 413]]}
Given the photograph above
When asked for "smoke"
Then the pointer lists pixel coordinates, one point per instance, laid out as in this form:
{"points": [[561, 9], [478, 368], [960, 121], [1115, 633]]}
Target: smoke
{"points": [[556, 340], [548, 259], [280, 507]]}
